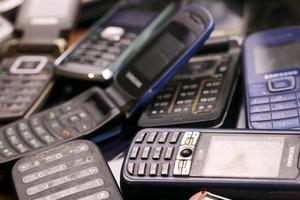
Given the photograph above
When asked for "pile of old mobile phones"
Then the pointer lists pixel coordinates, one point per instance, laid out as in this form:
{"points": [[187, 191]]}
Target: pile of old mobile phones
{"points": [[26, 70], [121, 32], [201, 93], [74, 170], [95, 113], [271, 67], [239, 164]]}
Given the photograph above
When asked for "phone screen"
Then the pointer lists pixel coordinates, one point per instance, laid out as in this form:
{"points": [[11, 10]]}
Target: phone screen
{"points": [[279, 57], [244, 156]]}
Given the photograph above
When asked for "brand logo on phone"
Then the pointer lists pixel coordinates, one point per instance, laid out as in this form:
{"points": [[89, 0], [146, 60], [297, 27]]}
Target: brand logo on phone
{"points": [[291, 157], [133, 79], [281, 74]]}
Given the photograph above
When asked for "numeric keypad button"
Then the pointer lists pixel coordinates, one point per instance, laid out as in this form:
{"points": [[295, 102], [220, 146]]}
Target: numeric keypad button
{"points": [[169, 153], [146, 152], [286, 123], [142, 169], [165, 169], [130, 168], [284, 105], [284, 114], [283, 97], [262, 125], [140, 137], [153, 169], [134, 152], [157, 153], [260, 117], [163, 137], [151, 137], [260, 108], [174, 137]]}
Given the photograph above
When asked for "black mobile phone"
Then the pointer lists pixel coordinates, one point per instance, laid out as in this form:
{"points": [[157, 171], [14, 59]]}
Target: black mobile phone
{"points": [[239, 164], [113, 38], [201, 93], [74, 170], [96, 112], [26, 71], [272, 79]]}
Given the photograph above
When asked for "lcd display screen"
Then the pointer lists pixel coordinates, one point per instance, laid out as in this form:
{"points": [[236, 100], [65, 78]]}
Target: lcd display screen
{"points": [[279, 57], [244, 156], [158, 56], [133, 17]]}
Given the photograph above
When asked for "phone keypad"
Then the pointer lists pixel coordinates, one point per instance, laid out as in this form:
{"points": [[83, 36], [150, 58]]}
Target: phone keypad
{"points": [[19, 91], [101, 48], [274, 111], [74, 170], [70, 120], [193, 95], [162, 157]]}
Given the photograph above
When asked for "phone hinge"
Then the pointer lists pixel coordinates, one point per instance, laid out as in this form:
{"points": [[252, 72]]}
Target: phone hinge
{"points": [[120, 98]]}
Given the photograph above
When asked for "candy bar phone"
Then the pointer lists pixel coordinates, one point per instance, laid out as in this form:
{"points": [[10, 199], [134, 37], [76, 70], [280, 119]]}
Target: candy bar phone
{"points": [[74, 170], [271, 71], [239, 164], [113, 38], [26, 71]]}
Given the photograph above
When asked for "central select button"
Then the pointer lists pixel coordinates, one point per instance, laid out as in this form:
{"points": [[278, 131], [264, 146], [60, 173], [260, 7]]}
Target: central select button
{"points": [[186, 153]]}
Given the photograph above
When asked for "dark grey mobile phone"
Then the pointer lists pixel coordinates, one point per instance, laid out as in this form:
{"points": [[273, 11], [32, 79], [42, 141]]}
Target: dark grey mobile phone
{"points": [[122, 31], [74, 170], [26, 71], [239, 164]]}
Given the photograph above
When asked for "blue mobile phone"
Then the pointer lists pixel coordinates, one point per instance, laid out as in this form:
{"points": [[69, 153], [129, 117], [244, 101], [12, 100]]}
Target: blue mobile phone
{"points": [[96, 114], [272, 79]]}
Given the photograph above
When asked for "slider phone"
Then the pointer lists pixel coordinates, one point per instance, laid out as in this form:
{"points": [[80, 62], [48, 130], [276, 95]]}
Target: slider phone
{"points": [[26, 71], [117, 35], [6, 30], [238, 164], [95, 111], [272, 82], [74, 170], [201, 93]]}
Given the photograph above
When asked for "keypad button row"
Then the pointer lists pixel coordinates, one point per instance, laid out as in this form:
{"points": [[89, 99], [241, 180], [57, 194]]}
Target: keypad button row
{"points": [[62, 180], [160, 137], [96, 183], [48, 171], [52, 157], [151, 169], [274, 107], [100, 52], [148, 152], [277, 124]]}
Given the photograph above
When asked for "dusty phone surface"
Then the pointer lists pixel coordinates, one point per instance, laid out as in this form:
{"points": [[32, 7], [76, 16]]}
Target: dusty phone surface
{"points": [[74, 170]]}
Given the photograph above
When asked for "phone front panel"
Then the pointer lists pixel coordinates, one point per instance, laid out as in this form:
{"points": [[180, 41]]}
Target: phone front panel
{"points": [[189, 159], [272, 79]]}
